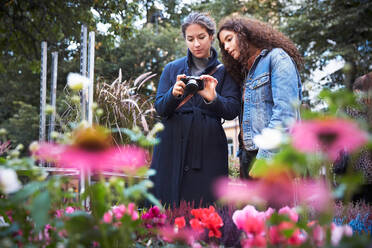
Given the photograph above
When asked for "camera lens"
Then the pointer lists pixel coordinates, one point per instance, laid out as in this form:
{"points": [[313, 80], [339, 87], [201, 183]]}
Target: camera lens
{"points": [[192, 85]]}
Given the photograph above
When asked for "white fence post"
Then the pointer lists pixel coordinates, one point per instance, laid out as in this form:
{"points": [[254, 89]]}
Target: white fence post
{"points": [[43, 91], [53, 94], [83, 70], [91, 48]]}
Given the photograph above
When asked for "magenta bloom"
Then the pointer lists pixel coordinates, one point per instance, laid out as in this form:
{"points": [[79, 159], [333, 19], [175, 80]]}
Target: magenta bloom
{"points": [[127, 158], [154, 218], [329, 135]]}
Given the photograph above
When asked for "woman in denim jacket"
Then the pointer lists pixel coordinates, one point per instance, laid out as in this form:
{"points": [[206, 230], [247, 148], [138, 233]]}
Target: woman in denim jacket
{"points": [[266, 63]]}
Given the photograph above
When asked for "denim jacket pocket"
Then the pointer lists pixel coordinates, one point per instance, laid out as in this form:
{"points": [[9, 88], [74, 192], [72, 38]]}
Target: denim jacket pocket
{"points": [[260, 88]]}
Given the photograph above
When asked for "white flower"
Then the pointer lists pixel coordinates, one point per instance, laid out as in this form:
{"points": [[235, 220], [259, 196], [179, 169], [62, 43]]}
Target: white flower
{"points": [[9, 182], [157, 128], [77, 82], [269, 139], [337, 232]]}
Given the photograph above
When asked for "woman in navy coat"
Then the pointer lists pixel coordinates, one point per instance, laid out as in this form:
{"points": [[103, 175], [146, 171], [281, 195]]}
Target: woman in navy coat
{"points": [[192, 152]]}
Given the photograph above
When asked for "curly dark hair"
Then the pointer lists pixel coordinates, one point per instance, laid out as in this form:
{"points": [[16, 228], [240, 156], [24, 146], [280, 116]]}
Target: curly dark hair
{"points": [[255, 32]]}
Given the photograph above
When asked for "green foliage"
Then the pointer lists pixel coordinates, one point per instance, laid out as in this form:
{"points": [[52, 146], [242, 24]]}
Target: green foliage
{"points": [[23, 126], [150, 49], [325, 30]]}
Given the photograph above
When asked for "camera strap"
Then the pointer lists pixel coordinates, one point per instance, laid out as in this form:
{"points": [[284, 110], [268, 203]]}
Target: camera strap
{"points": [[191, 95]]}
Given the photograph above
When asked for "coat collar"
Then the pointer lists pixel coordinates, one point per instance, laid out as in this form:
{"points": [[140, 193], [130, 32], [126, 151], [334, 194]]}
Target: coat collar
{"points": [[212, 63]]}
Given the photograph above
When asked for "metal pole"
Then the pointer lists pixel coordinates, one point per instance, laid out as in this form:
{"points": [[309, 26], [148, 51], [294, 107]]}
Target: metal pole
{"points": [[91, 47], [53, 93], [43, 90], [85, 175], [43, 75], [83, 70]]}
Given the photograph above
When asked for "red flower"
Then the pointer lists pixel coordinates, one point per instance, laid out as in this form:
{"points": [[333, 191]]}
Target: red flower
{"points": [[180, 222], [207, 218]]}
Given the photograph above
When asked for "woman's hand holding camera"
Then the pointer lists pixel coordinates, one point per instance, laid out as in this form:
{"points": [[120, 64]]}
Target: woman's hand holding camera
{"points": [[209, 91], [179, 86]]}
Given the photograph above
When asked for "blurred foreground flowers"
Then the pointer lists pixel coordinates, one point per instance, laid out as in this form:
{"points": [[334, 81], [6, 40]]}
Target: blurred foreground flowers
{"points": [[290, 203], [92, 149]]}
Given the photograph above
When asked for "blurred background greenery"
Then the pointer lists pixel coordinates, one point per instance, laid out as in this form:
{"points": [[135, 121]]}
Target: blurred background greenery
{"points": [[143, 35]]}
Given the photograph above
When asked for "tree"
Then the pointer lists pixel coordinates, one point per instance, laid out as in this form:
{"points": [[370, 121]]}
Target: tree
{"points": [[329, 29], [146, 51], [24, 24]]}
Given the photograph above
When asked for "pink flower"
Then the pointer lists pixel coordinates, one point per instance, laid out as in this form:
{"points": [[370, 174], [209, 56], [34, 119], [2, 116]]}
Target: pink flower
{"points": [[274, 191], [328, 135], [131, 210], [184, 235], [291, 212], [59, 213], [257, 241], [252, 222], [107, 217], [127, 158], [318, 233], [277, 237], [315, 193], [69, 210], [119, 211]]}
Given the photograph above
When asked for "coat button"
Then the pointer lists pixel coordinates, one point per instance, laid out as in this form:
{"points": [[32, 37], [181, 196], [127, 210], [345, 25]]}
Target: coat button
{"points": [[186, 168]]}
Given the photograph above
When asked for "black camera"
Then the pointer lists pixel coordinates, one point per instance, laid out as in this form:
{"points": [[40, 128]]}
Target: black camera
{"points": [[193, 84]]}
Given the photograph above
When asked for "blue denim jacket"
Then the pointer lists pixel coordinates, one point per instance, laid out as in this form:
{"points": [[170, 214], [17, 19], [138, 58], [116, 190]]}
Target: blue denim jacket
{"points": [[271, 91]]}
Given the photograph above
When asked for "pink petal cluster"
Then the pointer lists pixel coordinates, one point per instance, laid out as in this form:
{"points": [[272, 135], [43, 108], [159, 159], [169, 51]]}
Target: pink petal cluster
{"points": [[328, 135], [127, 158], [61, 212], [154, 218], [274, 193], [117, 212], [252, 223], [276, 236], [181, 235]]}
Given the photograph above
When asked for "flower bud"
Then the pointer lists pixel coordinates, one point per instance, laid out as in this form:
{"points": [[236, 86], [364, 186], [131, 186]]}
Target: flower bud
{"points": [[49, 109], [54, 135], [33, 147], [75, 99], [99, 112], [77, 82], [19, 147], [3, 131]]}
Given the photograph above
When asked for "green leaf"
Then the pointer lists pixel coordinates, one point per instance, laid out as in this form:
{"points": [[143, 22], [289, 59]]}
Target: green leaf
{"points": [[40, 210], [79, 221], [276, 219], [28, 190], [98, 199]]}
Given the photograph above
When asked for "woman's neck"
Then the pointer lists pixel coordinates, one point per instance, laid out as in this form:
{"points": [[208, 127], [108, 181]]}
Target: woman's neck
{"points": [[252, 58]]}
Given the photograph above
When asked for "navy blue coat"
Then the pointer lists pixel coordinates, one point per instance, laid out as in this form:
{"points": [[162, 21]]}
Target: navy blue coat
{"points": [[192, 152]]}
